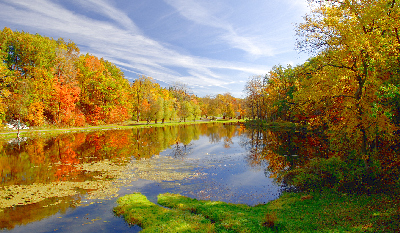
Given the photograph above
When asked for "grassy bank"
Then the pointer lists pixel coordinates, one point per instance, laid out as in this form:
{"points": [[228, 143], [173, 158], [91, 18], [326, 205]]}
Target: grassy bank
{"points": [[324, 211], [52, 130], [330, 211]]}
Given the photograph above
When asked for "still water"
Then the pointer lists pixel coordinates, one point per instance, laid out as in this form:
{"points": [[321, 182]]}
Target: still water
{"points": [[70, 183]]}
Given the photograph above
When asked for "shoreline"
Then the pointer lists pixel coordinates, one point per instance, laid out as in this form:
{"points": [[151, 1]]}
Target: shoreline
{"points": [[10, 134]]}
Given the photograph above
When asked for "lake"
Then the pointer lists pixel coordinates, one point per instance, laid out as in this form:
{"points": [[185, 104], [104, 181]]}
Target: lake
{"points": [[70, 182]]}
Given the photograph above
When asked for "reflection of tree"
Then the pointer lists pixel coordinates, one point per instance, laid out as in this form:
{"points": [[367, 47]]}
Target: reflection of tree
{"points": [[181, 151], [253, 143], [22, 215], [282, 150], [56, 158], [227, 142], [65, 163], [217, 132], [229, 134]]}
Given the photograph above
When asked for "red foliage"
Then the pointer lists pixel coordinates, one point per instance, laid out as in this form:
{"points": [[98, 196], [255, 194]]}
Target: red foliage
{"points": [[65, 96]]}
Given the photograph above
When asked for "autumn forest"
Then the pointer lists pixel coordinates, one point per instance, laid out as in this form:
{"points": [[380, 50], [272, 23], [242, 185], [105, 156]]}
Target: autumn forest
{"points": [[350, 87], [48, 82]]}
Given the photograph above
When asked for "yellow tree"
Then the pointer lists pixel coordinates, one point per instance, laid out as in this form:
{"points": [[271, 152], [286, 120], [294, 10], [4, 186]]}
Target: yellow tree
{"points": [[141, 94], [355, 40], [30, 59], [212, 109], [196, 109], [5, 80], [104, 91], [228, 104]]}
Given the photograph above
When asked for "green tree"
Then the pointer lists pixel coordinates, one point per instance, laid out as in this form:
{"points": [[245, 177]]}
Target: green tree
{"points": [[278, 92], [168, 109], [196, 110], [186, 110]]}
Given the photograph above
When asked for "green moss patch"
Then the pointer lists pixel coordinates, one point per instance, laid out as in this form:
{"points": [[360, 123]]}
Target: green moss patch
{"points": [[137, 209], [227, 217], [191, 215], [322, 211]]}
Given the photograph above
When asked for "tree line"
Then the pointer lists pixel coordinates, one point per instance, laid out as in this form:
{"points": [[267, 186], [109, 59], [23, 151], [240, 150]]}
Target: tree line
{"points": [[349, 88], [44, 81]]}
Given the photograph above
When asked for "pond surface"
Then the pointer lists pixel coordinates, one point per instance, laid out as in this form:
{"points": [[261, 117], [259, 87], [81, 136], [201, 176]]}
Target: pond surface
{"points": [[70, 183]]}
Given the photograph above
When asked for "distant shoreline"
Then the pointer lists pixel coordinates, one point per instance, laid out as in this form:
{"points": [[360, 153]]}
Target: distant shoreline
{"points": [[43, 131]]}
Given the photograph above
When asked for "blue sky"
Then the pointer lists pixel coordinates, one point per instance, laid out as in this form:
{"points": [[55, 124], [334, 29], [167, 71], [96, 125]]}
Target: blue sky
{"points": [[213, 46]]}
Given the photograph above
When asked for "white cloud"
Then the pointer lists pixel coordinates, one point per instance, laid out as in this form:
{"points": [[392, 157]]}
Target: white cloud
{"points": [[105, 8], [196, 12], [203, 15], [119, 40]]}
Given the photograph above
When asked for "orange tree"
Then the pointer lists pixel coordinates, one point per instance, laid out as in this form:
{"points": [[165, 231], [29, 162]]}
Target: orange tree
{"points": [[104, 91]]}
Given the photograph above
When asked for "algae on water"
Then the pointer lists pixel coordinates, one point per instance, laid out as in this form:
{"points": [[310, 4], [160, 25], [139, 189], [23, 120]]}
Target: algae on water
{"points": [[108, 179]]}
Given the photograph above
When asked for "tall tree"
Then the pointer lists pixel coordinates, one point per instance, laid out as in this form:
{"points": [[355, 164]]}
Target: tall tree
{"points": [[254, 97], [141, 93], [30, 59], [278, 92], [186, 110], [66, 89], [196, 110], [355, 41]]}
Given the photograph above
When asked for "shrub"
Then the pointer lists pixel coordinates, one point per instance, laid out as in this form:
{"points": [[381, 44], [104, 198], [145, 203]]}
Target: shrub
{"points": [[319, 173], [346, 175]]}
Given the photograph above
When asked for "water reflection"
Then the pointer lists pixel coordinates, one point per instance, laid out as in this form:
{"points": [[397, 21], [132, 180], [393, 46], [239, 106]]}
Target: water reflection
{"points": [[283, 150], [47, 177], [55, 159]]}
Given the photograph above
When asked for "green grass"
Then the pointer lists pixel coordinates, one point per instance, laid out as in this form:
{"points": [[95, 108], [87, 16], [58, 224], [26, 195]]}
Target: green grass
{"points": [[330, 211], [53, 130], [226, 217], [324, 211], [137, 209]]}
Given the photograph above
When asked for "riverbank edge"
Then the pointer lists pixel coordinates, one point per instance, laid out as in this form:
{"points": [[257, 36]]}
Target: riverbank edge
{"points": [[323, 211], [53, 131], [356, 218]]}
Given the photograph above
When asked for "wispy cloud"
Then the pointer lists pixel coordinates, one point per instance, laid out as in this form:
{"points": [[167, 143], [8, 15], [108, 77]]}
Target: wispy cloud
{"points": [[203, 15], [105, 8], [119, 40]]}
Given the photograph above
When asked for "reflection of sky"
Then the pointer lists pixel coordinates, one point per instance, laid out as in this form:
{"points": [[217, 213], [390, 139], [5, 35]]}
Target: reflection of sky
{"points": [[225, 175], [221, 174], [97, 217]]}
